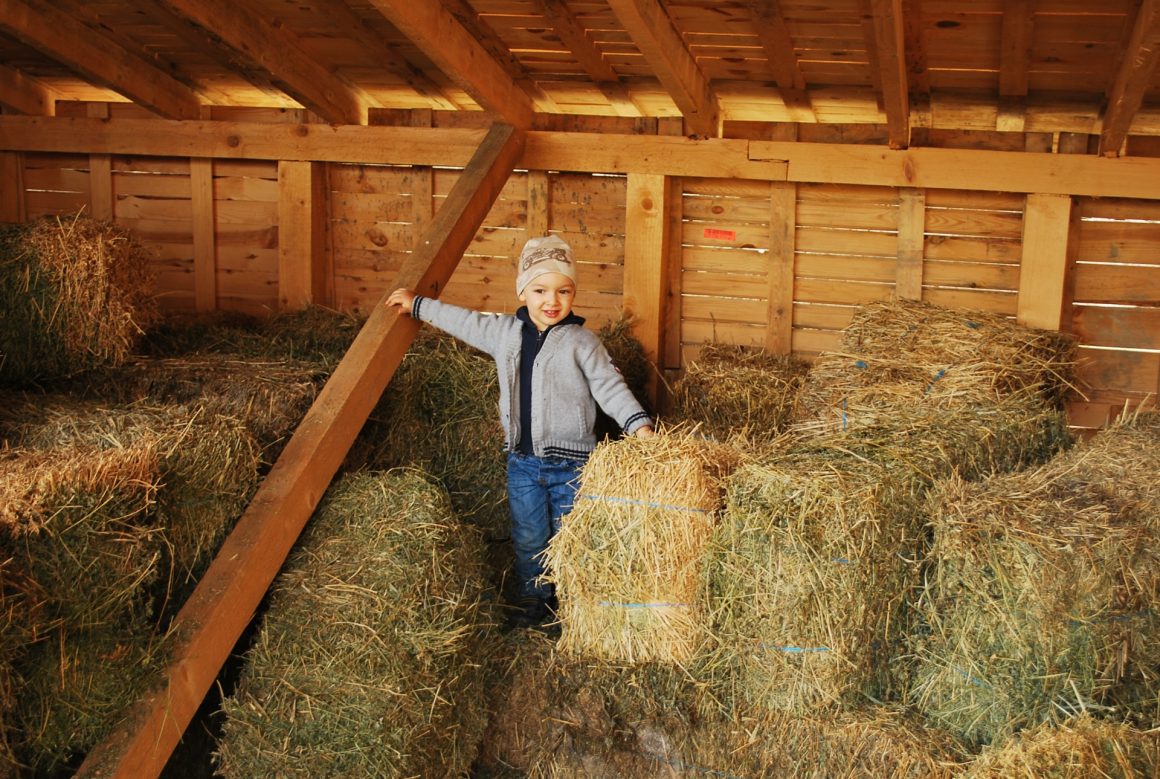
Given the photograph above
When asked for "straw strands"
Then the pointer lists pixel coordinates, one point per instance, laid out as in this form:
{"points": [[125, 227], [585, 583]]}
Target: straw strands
{"points": [[1040, 598], [368, 660], [731, 390], [627, 559], [74, 294]]}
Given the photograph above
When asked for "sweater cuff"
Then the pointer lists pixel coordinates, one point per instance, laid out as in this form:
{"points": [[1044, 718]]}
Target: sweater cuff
{"points": [[636, 422], [415, 304]]}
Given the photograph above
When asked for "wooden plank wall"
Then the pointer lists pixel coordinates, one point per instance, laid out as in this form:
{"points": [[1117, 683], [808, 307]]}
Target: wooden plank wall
{"points": [[774, 264]]}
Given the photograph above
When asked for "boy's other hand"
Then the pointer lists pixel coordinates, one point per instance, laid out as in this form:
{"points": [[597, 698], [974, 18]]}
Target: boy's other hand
{"points": [[645, 432], [402, 299]]}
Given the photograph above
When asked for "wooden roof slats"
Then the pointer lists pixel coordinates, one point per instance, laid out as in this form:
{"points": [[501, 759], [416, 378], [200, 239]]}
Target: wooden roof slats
{"points": [[208, 625]]}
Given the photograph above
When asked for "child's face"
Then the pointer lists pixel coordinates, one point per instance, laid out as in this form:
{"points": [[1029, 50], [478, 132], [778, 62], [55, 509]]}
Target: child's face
{"points": [[549, 299]]}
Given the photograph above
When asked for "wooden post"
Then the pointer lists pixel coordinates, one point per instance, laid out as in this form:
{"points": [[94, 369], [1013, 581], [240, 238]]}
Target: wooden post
{"points": [[211, 621], [304, 267], [671, 357], [100, 174], [539, 197], [645, 259], [1044, 270], [911, 242], [204, 234], [782, 243], [11, 187]]}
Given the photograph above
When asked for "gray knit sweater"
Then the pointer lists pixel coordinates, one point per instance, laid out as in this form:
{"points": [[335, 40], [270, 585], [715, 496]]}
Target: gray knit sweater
{"points": [[572, 374]]}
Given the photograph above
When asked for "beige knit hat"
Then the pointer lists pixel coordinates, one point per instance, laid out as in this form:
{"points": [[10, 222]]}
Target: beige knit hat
{"points": [[544, 255]]}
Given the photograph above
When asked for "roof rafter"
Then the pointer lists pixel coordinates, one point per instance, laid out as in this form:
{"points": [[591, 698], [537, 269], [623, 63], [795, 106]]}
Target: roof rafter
{"points": [[888, 50], [1135, 75], [276, 49], [96, 57], [1015, 63], [461, 56], [651, 29], [773, 33], [24, 95]]}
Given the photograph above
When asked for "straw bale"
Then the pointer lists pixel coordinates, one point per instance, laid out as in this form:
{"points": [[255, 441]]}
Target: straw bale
{"points": [[731, 389], [901, 352], [627, 559], [75, 293], [368, 659], [1040, 599], [1080, 748]]}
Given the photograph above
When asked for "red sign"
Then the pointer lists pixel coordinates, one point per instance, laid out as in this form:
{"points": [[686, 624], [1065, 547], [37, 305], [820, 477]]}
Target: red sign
{"points": [[720, 235]]}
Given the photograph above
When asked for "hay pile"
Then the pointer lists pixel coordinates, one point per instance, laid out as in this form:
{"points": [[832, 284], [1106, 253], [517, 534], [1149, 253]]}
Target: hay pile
{"points": [[1081, 748], [75, 293], [627, 561], [731, 390], [107, 514], [898, 353], [1041, 597], [367, 662]]}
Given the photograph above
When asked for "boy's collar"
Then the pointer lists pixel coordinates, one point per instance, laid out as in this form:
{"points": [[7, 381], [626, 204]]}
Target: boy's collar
{"points": [[572, 319]]}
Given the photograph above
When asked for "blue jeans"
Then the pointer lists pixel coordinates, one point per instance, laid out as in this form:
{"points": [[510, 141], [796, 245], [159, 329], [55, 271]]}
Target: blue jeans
{"points": [[540, 492]]}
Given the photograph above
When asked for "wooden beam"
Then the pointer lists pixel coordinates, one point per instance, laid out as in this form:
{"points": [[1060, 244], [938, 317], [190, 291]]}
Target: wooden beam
{"points": [[460, 56], [205, 630], [304, 273], [780, 269], [646, 251], [539, 203], [12, 187], [97, 58], [1043, 271], [24, 95], [204, 207], [1014, 63], [277, 50], [889, 62], [1133, 79], [776, 43], [100, 173], [911, 242], [651, 29]]}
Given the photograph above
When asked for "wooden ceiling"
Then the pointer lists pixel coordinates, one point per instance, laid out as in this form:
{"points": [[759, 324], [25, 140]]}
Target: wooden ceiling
{"points": [[1057, 66]]}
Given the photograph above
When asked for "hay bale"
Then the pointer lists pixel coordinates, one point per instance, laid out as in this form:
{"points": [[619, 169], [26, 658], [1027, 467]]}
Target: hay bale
{"points": [[1080, 748], [731, 389], [75, 293], [901, 352], [1041, 597], [816, 557], [627, 559], [367, 659]]}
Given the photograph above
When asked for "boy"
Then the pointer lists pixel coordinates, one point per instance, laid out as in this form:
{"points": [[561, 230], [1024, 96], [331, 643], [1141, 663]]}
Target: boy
{"points": [[552, 374]]}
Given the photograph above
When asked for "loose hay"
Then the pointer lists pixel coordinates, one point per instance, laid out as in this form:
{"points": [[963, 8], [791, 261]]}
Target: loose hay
{"points": [[627, 559], [367, 661], [75, 293], [730, 390], [1081, 748], [1040, 601], [901, 352]]}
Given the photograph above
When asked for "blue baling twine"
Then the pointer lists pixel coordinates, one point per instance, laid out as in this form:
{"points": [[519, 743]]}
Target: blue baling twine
{"points": [[973, 679], [644, 605], [795, 649], [647, 503], [941, 372]]}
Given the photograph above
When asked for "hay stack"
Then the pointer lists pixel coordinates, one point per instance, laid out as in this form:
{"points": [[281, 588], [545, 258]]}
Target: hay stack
{"points": [[627, 561], [899, 352], [1041, 596], [75, 293], [1081, 748], [729, 390], [367, 660]]}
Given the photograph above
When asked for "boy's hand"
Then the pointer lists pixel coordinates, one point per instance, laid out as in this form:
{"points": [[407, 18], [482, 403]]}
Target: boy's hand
{"points": [[403, 299], [645, 432]]}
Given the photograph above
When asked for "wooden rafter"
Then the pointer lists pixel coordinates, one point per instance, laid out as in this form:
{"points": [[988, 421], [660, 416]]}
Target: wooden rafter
{"points": [[888, 60], [461, 56], [85, 50], [651, 29], [218, 611], [773, 33], [918, 80], [1137, 70], [575, 38], [1015, 63], [24, 95], [276, 49]]}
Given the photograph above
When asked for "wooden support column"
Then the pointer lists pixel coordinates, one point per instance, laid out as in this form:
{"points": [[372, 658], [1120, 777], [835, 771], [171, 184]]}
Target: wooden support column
{"points": [[11, 187], [646, 252], [539, 199], [304, 265], [782, 243], [1045, 268], [204, 234], [207, 627], [674, 267], [911, 243], [100, 174], [422, 181]]}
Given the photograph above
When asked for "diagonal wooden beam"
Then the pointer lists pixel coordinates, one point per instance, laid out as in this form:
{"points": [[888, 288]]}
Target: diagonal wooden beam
{"points": [[1015, 63], [276, 49], [887, 44], [207, 627], [97, 58], [651, 29], [773, 33], [460, 55], [1135, 76], [25, 95]]}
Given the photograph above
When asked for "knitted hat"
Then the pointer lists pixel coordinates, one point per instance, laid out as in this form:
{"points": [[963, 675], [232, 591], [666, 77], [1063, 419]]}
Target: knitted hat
{"points": [[544, 255]]}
